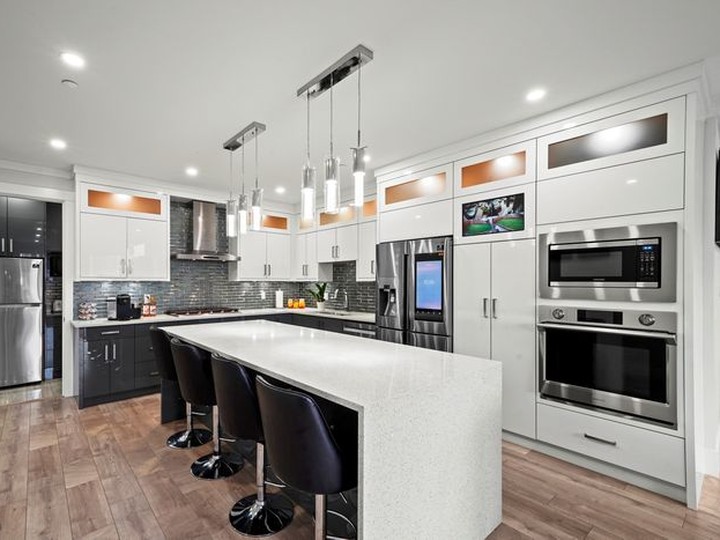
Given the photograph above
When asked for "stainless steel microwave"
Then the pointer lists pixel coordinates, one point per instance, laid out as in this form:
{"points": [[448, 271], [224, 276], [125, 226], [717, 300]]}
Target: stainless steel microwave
{"points": [[634, 263]]}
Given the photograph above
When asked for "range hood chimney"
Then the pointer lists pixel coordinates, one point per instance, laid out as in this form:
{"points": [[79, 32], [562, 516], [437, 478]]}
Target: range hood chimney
{"points": [[205, 236]]}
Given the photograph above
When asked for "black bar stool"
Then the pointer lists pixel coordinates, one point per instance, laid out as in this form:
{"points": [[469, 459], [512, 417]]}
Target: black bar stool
{"points": [[196, 385], [192, 436], [305, 451], [260, 514]]}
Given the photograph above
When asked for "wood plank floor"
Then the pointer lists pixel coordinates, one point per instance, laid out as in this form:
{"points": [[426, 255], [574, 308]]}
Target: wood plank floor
{"points": [[105, 472]]}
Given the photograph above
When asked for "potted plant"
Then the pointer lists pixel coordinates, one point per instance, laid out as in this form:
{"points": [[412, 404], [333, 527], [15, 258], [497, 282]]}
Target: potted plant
{"points": [[319, 295]]}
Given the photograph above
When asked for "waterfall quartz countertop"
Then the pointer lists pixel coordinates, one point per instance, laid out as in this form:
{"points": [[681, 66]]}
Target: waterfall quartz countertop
{"points": [[429, 421], [354, 316]]}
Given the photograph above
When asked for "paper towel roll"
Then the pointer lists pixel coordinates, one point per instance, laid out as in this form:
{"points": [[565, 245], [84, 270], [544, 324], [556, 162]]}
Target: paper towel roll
{"points": [[279, 299]]}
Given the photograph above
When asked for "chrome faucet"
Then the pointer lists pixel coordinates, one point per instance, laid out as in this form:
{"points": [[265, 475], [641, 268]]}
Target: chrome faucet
{"points": [[346, 301]]}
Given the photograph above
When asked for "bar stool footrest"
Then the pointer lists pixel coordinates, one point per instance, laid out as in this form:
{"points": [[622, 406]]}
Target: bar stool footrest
{"points": [[252, 518], [214, 466], [189, 438]]}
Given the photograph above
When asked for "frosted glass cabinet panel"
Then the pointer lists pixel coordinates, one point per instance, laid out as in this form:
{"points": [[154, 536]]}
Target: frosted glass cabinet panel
{"points": [[415, 188], [495, 169]]}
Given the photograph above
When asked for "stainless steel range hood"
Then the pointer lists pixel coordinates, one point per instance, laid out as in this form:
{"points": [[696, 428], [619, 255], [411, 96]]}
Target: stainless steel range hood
{"points": [[204, 246]]}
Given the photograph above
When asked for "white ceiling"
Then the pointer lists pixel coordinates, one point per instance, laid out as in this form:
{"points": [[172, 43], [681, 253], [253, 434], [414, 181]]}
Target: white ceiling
{"points": [[167, 81]]}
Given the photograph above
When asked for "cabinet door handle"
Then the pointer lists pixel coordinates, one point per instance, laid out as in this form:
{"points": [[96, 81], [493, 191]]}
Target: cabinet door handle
{"points": [[599, 439], [3, 244], [129, 264], [106, 353], [110, 333], [494, 308], [11, 246], [372, 267], [122, 266], [154, 373], [269, 269], [485, 307], [114, 351], [264, 269]]}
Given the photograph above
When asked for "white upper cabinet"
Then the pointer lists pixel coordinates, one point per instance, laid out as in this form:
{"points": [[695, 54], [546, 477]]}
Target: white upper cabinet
{"points": [[305, 267], [263, 256], [346, 243], [326, 240], [648, 132], [109, 200], [116, 247], [367, 240], [496, 169], [278, 256]]}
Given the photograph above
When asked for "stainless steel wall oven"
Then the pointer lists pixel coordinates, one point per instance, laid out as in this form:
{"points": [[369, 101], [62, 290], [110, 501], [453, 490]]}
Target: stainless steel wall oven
{"points": [[622, 361]]}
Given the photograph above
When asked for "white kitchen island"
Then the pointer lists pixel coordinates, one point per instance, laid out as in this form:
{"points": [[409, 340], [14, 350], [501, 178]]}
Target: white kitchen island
{"points": [[429, 421]]}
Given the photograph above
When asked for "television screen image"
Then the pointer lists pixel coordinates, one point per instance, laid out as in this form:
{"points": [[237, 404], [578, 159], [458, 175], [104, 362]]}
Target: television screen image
{"points": [[499, 215]]}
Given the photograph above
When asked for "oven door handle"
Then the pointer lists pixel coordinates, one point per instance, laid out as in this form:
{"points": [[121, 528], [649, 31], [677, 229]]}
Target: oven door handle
{"points": [[670, 338]]}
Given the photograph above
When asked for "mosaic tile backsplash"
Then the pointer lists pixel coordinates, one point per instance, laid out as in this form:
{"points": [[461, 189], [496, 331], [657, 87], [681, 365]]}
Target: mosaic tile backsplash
{"points": [[203, 283]]}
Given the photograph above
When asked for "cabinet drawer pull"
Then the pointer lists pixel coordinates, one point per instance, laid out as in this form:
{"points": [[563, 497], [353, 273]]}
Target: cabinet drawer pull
{"points": [[154, 373], [599, 439], [110, 333]]}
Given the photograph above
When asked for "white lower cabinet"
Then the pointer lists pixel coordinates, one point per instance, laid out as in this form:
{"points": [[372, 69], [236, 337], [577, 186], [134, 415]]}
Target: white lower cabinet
{"points": [[641, 450], [337, 244], [494, 317], [305, 266], [367, 241], [116, 247], [263, 256]]}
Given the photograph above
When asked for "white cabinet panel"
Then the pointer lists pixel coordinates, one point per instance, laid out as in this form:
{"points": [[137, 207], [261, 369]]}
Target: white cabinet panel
{"points": [[278, 256], [513, 331], [471, 300], [367, 234], [646, 186], [640, 450], [147, 249], [299, 258], [326, 245], [311, 256], [252, 264], [427, 220], [346, 243], [102, 246]]}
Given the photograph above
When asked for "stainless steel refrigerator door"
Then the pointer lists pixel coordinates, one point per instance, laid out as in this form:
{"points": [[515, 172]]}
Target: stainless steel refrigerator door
{"points": [[429, 341], [390, 306], [427, 246], [21, 344], [21, 281]]}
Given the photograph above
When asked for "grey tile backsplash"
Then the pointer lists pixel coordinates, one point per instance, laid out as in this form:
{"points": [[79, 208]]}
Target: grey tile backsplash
{"points": [[202, 283]]}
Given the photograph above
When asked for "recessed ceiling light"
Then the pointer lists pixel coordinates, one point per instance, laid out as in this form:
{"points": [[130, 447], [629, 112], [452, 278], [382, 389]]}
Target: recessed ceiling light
{"points": [[191, 171], [58, 144], [536, 94], [279, 190], [69, 83], [73, 60]]}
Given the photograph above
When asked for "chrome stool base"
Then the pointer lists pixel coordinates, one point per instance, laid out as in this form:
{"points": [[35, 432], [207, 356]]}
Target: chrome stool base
{"points": [[254, 518], [189, 438], [214, 466]]}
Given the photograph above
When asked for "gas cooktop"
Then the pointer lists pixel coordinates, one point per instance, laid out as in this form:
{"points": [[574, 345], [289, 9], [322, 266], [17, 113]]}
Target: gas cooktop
{"points": [[179, 312]]}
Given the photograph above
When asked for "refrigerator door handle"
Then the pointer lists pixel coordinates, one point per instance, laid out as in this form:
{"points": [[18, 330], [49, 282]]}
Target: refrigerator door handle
{"points": [[485, 307]]}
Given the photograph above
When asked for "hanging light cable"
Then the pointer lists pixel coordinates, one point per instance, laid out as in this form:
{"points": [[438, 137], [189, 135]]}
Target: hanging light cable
{"points": [[332, 169], [307, 188], [243, 198], [231, 222], [358, 153], [257, 195]]}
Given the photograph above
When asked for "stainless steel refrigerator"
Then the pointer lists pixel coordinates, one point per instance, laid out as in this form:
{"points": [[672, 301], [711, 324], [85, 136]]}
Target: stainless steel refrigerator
{"points": [[21, 316], [414, 292]]}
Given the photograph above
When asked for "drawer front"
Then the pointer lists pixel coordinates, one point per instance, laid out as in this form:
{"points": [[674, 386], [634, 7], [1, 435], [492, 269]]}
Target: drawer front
{"points": [[146, 374], [110, 332], [640, 450]]}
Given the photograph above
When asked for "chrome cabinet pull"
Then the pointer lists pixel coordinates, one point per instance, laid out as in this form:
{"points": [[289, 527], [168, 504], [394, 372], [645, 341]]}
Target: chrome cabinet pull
{"points": [[114, 351], [372, 267], [485, 307], [269, 269], [264, 269], [494, 308], [154, 373], [11, 246], [106, 352], [599, 439], [3, 245], [122, 266], [110, 332], [129, 264]]}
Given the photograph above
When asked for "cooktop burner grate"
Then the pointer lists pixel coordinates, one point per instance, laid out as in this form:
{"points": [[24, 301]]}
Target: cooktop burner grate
{"points": [[201, 310]]}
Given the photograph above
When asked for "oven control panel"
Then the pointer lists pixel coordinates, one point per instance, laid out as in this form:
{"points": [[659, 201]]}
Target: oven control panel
{"points": [[588, 317]]}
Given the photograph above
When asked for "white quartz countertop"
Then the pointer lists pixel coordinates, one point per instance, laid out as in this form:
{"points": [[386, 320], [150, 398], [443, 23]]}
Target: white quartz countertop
{"points": [[355, 316], [349, 370]]}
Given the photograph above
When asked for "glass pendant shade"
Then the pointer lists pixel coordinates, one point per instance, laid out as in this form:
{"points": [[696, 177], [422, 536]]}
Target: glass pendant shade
{"points": [[358, 157], [231, 218], [307, 193], [256, 209], [243, 213], [332, 185]]}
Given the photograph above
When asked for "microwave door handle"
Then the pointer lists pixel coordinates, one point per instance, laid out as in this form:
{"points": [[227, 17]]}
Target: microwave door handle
{"points": [[670, 338]]}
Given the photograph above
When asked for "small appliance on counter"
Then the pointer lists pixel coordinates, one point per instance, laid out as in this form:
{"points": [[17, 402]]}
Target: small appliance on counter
{"points": [[121, 308], [111, 306]]}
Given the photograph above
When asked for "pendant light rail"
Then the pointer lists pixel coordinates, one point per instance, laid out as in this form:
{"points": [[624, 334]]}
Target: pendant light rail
{"points": [[244, 136], [336, 72]]}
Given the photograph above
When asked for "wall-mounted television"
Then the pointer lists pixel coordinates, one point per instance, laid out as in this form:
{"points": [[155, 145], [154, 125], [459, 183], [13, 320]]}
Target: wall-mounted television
{"points": [[492, 216]]}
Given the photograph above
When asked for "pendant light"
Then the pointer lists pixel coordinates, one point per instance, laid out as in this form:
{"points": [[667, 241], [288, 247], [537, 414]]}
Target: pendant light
{"points": [[243, 198], [332, 170], [307, 187], [231, 214], [257, 196], [358, 154]]}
